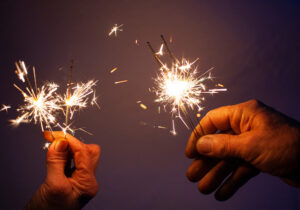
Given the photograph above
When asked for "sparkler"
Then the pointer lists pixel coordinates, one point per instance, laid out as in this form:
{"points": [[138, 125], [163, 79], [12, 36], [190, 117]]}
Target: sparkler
{"points": [[180, 88], [43, 105], [40, 104], [115, 29]]}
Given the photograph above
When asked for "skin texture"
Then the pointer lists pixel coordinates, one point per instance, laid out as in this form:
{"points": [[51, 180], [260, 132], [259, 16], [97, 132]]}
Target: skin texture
{"points": [[66, 187], [235, 143]]}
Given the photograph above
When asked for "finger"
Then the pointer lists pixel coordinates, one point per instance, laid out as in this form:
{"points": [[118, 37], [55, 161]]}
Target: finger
{"points": [[75, 144], [95, 152], [81, 152], [214, 120], [235, 181], [212, 180], [200, 167], [57, 157], [224, 145]]}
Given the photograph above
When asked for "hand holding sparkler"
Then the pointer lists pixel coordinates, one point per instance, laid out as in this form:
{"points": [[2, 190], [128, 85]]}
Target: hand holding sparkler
{"points": [[66, 188], [264, 139]]}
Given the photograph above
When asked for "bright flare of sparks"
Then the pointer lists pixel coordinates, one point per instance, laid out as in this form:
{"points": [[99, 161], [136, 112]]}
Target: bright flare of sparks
{"points": [[79, 98], [115, 29], [181, 87], [40, 107]]}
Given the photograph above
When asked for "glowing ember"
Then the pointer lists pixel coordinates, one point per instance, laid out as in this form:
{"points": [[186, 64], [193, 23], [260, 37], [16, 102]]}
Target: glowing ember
{"points": [[115, 29], [5, 108]]}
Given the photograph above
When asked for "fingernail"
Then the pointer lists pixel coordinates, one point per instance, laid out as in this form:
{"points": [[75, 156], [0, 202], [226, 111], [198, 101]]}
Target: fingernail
{"points": [[61, 146], [204, 145]]}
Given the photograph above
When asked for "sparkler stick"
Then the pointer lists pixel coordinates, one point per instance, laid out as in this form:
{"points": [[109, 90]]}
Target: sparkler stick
{"points": [[69, 91], [34, 76], [174, 59]]}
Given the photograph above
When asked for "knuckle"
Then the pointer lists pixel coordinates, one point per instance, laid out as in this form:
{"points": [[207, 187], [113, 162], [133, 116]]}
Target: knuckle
{"points": [[94, 150], [254, 103]]}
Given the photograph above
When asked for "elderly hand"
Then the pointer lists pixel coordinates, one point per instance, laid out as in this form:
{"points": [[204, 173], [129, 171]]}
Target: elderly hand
{"points": [[66, 187], [239, 141]]}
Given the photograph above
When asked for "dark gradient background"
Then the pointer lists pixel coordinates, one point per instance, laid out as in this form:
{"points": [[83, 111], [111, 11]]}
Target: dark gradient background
{"points": [[253, 45]]}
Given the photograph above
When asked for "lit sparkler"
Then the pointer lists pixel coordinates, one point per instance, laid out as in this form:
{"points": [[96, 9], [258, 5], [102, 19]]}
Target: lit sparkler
{"points": [[79, 98], [40, 104], [115, 29], [43, 105], [180, 87]]}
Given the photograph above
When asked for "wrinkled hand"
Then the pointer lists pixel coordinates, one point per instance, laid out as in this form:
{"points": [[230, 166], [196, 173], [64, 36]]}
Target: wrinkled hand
{"points": [[239, 141], [66, 187]]}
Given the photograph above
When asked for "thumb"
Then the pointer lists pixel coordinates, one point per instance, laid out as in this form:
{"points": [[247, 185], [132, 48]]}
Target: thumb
{"points": [[57, 157], [221, 146]]}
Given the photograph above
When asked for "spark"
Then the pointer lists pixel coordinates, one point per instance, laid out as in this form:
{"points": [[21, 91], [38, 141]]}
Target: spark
{"points": [[186, 65], [171, 40], [143, 106], [66, 128], [46, 145], [5, 108], [20, 119], [136, 42], [122, 81], [115, 29], [21, 70], [94, 100], [160, 52], [113, 70], [160, 127]]}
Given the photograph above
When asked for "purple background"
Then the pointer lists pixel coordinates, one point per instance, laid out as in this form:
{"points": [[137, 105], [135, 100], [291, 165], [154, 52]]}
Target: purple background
{"points": [[253, 45]]}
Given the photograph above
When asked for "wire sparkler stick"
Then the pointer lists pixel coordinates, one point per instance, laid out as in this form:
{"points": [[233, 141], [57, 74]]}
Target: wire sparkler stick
{"points": [[174, 59], [69, 91]]}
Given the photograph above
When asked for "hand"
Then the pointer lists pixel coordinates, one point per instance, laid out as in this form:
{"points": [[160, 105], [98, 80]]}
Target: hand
{"points": [[240, 141], [66, 188]]}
